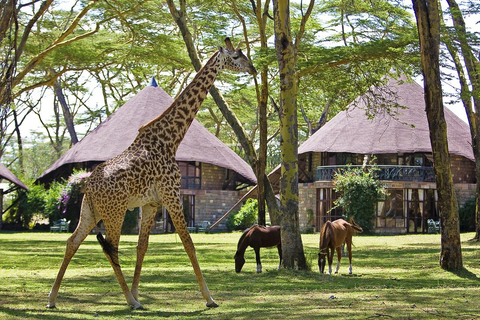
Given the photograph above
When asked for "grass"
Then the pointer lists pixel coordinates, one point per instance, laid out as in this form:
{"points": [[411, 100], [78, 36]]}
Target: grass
{"points": [[394, 277]]}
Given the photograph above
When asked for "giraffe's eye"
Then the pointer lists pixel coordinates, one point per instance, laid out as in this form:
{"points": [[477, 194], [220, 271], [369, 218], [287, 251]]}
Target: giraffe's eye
{"points": [[235, 57]]}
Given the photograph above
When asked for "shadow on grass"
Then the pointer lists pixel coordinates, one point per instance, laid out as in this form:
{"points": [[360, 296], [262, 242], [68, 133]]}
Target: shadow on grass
{"points": [[58, 313], [465, 274]]}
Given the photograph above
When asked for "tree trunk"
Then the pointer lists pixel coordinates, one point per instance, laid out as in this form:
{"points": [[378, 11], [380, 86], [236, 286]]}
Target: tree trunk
{"points": [[292, 247], [262, 100], [473, 70], [19, 143], [67, 115], [1, 208], [428, 23]]}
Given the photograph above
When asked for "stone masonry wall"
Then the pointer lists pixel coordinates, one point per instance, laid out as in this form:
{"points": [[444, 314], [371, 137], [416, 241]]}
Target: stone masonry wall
{"points": [[213, 177], [307, 200], [463, 170], [210, 205]]}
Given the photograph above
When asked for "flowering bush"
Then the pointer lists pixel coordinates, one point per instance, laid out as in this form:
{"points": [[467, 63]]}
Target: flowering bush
{"points": [[69, 201], [72, 192]]}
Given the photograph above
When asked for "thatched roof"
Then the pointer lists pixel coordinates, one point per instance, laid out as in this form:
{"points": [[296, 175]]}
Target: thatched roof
{"points": [[352, 131], [8, 175], [119, 130]]}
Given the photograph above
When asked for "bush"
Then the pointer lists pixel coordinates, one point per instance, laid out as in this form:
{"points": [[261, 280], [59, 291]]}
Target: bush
{"points": [[467, 216], [27, 205], [130, 221], [359, 191], [70, 199], [52, 201], [245, 218]]}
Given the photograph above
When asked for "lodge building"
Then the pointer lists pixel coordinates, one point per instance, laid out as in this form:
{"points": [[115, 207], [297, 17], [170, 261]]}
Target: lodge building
{"points": [[401, 145]]}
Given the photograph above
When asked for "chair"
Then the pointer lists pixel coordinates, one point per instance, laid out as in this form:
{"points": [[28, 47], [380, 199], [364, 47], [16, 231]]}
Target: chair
{"points": [[65, 227], [58, 226], [204, 227], [433, 226]]}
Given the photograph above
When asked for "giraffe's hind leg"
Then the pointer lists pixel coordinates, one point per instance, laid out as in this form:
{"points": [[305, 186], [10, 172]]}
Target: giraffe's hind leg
{"points": [[171, 199], [110, 248], [148, 217], [85, 225]]}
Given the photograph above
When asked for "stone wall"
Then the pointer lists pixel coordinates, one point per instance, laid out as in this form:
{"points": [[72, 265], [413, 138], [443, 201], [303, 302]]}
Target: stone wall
{"points": [[210, 205], [307, 200], [213, 177], [463, 170], [464, 192]]}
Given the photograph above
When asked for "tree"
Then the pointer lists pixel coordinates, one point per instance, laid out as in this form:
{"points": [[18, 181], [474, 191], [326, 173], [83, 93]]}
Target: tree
{"points": [[257, 163], [292, 248], [458, 41], [428, 22]]}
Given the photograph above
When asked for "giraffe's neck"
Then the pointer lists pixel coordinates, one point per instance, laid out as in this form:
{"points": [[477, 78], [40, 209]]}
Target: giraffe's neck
{"points": [[173, 123]]}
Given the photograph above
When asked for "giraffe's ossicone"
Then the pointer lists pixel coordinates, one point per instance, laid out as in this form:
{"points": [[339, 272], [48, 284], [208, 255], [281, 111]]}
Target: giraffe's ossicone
{"points": [[146, 175]]}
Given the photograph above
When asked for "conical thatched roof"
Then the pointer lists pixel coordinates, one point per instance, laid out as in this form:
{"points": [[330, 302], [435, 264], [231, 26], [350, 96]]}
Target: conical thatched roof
{"points": [[7, 174], [352, 131], [119, 130]]}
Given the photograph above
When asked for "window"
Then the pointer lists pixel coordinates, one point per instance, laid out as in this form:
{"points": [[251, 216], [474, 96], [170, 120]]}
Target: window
{"points": [[326, 208], [191, 174], [421, 206], [390, 213], [189, 209]]}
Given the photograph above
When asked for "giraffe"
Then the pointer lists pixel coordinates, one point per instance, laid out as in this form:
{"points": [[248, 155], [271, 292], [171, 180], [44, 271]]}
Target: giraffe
{"points": [[146, 175]]}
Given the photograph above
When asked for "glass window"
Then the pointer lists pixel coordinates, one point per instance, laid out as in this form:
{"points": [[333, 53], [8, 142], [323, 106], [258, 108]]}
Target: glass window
{"points": [[390, 213]]}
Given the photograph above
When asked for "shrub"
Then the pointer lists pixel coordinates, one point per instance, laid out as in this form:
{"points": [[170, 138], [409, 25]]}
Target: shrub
{"points": [[130, 221], [70, 199], [27, 205], [52, 198], [245, 218], [359, 191], [467, 216]]}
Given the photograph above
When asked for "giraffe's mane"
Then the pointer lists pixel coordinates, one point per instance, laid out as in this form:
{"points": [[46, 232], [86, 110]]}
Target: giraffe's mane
{"points": [[184, 90]]}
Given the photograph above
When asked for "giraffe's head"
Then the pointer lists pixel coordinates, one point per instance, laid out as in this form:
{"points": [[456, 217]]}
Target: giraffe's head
{"points": [[234, 59]]}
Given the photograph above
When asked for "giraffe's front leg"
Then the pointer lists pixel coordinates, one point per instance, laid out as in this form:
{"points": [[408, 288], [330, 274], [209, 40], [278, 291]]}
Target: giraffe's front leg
{"points": [[148, 217], [86, 223]]}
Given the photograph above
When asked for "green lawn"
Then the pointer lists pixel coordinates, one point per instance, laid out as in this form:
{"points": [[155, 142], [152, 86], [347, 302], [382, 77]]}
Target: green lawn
{"points": [[394, 277]]}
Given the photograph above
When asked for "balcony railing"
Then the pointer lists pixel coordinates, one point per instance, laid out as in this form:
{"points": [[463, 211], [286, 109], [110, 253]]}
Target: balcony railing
{"points": [[189, 182], [391, 173]]}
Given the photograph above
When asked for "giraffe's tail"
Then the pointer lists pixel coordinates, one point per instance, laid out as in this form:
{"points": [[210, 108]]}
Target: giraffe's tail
{"points": [[108, 248]]}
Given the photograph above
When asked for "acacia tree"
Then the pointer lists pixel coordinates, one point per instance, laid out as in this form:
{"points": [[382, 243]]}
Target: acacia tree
{"points": [[112, 48], [428, 21], [256, 161], [459, 38], [292, 248]]}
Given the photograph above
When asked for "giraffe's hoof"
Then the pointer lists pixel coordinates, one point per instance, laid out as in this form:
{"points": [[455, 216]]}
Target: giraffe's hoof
{"points": [[212, 304], [51, 306], [137, 306]]}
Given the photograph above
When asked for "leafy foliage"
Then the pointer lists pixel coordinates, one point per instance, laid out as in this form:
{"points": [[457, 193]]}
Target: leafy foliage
{"points": [[130, 221], [360, 190], [70, 199], [245, 218], [24, 209], [467, 216]]}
